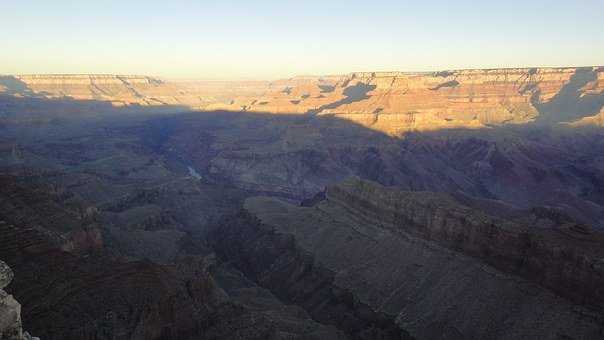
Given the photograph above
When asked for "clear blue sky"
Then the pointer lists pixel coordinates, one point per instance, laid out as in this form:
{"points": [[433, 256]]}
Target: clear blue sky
{"points": [[271, 39]]}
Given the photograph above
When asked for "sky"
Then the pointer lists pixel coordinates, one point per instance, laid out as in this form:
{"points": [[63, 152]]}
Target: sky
{"points": [[238, 39]]}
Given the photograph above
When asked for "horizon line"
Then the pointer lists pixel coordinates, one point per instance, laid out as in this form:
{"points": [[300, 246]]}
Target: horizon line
{"points": [[164, 78]]}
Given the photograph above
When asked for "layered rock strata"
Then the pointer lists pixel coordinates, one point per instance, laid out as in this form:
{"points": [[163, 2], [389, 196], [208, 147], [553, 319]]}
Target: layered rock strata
{"points": [[390, 102], [435, 267], [395, 102]]}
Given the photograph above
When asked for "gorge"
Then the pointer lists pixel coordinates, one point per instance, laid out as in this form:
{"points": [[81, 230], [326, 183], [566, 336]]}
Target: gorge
{"points": [[461, 204]]}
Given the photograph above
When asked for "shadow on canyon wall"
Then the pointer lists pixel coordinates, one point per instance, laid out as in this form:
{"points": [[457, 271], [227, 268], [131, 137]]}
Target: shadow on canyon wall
{"points": [[504, 169], [352, 94], [19, 104], [296, 155], [14, 86], [568, 105]]}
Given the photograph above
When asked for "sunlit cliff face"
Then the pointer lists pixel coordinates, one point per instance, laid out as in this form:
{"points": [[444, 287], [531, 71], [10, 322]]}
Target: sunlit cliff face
{"points": [[389, 102]]}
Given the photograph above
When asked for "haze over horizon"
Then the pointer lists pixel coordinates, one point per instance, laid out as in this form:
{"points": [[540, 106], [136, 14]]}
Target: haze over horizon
{"points": [[272, 39]]}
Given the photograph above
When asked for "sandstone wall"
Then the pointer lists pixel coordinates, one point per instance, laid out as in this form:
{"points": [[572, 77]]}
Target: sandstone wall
{"points": [[396, 102], [389, 102]]}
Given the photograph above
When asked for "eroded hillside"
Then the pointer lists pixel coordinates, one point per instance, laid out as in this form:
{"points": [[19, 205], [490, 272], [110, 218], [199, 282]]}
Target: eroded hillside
{"points": [[390, 102], [475, 207], [435, 267]]}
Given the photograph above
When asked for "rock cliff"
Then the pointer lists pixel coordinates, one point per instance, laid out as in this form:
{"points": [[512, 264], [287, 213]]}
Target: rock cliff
{"points": [[568, 254], [297, 156], [436, 267], [10, 310], [73, 282], [276, 262], [119, 90], [395, 102], [390, 102]]}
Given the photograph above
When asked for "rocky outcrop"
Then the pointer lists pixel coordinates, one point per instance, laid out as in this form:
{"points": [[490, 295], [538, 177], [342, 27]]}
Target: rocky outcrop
{"points": [[66, 220], [595, 120], [566, 255], [117, 90], [438, 268], [397, 102], [10, 310], [390, 102], [78, 287], [276, 262], [66, 297], [6, 275], [128, 90], [297, 156]]}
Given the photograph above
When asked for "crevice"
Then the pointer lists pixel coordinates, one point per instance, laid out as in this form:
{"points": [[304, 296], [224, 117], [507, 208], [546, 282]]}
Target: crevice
{"points": [[274, 261]]}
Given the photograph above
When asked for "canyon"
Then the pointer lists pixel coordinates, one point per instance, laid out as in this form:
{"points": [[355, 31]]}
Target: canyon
{"points": [[389, 102], [412, 256], [462, 204]]}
